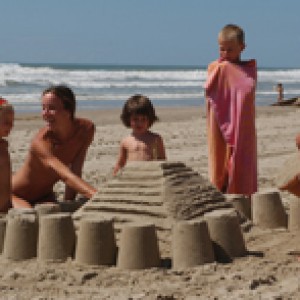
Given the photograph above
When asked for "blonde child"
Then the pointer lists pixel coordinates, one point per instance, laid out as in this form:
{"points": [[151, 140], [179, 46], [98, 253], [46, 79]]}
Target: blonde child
{"points": [[6, 124], [142, 144], [230, 95]]}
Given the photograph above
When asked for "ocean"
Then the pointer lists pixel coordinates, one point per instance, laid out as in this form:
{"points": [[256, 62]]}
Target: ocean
{"points": [[108, 86]]}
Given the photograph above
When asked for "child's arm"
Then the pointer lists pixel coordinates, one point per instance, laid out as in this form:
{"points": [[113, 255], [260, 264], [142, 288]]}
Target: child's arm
{"points": [[298, 141], [5, 178], [122, 158], [161, 153]]}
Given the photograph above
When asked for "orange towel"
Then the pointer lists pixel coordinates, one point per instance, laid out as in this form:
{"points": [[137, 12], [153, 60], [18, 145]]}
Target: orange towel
{"points": [[230, 95]]}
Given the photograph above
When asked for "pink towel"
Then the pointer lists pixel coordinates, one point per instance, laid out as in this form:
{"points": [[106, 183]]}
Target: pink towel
{"points": [[230, 91]]}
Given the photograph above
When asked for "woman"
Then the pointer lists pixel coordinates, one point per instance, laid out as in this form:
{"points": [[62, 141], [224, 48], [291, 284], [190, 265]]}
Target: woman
{"points": [[57, 152]]}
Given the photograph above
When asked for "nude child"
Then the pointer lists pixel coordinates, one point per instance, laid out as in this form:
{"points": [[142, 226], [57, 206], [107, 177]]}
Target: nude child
{"points": [[142, 144]]}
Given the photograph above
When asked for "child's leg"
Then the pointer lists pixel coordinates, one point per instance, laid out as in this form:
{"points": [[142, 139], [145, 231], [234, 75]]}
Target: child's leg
{"points": [[18, 202]]}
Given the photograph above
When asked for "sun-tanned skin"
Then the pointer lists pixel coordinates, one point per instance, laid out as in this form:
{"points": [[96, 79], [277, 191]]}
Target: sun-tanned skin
{"points": [[6, 124], [57, 152], [141, 145], [298, 141]]}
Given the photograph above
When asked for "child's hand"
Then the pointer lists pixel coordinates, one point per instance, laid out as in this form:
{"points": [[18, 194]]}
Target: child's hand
{"points": [[298, 141]]}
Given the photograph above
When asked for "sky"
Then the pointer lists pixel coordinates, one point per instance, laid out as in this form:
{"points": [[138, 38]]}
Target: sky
{"points": [[146, 32]]}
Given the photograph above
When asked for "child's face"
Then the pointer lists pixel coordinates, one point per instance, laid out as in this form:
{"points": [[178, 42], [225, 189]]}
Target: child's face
{"points": [[139, 123], [230, 50], [6, 123]]}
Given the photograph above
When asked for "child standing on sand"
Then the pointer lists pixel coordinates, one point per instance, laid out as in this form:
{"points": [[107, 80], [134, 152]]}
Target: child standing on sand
{"points": [[142, 144], [6, 124], [230, 95]]}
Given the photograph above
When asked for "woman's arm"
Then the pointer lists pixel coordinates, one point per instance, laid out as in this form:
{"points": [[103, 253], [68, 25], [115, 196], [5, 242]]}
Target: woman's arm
{"points": [[76, 168], [42, 149], [77, 165]]}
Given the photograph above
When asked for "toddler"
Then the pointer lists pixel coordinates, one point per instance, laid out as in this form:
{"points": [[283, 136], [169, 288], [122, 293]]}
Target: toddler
{"points": [[230, 95], [142, 144]]}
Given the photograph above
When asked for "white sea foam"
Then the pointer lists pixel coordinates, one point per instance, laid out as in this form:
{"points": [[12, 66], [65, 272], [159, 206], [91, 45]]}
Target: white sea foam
{"points": [[97, 78], [283, 76], [36, 98], [93, 85]]}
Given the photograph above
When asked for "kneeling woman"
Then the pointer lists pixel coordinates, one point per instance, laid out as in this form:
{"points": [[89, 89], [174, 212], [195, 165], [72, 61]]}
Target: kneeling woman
{"points": [[57, 152]]}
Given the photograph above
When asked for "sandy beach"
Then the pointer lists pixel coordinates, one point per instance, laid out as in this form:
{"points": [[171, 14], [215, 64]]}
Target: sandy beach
{"points": [[271, 272]]}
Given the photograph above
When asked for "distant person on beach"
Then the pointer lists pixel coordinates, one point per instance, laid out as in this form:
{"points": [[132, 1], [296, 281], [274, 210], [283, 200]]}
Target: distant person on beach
{"points": [[139, 114], [6, 124], [279, 89], [230, 94], [57, 152]]}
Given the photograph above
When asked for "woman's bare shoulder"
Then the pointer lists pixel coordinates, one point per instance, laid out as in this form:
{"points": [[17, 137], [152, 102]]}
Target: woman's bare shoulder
{"points": [[85, 124]]}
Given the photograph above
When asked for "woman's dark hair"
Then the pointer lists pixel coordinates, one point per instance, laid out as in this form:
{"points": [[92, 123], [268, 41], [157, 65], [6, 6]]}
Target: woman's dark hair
{"points": [[141, 105], [66, 95]]}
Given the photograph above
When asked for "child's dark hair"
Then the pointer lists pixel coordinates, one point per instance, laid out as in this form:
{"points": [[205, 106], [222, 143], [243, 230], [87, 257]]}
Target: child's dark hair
{"points": [[141, 105], [66, 95]]}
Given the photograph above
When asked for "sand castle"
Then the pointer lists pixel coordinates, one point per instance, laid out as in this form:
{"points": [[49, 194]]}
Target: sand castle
{"points": [[147, 204], [155, 191]]}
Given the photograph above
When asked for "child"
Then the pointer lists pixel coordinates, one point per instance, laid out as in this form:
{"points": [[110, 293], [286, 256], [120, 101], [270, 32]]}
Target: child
{"points": [[142, 144], [6, 124], [230, 95]]}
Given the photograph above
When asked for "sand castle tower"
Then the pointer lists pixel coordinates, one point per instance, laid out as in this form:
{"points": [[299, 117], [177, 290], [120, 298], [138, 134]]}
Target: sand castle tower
{"points": [[157, 192]]}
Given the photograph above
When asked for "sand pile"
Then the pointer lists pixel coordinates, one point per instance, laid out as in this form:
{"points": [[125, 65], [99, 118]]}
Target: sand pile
{"points": [[157, 192]]}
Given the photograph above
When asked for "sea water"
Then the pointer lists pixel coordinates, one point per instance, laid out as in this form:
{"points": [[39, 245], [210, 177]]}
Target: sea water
{"points": [[108, 86]]}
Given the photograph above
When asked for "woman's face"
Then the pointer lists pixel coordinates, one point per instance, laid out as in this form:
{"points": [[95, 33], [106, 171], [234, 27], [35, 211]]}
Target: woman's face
{"points": [[53, 111]]}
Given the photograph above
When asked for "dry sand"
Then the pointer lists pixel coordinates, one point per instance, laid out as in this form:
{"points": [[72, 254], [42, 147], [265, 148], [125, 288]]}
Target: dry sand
{"points": [[270, 271]]}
